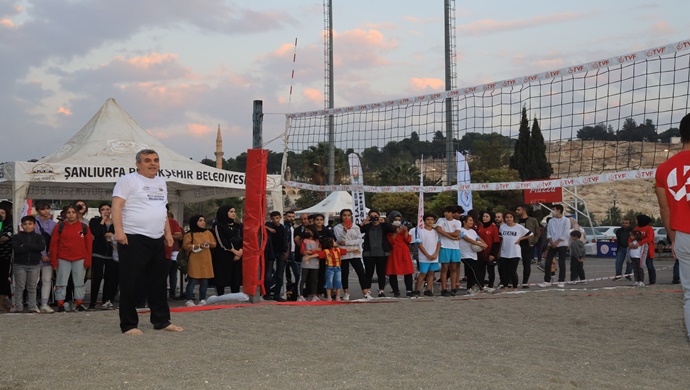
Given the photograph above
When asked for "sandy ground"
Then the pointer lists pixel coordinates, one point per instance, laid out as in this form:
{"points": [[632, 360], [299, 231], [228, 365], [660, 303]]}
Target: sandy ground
{"points": [[599, 336]]}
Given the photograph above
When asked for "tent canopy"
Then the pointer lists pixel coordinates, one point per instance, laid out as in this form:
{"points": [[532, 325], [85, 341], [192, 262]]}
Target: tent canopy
{"points": [[333, 204], [91, 162]]}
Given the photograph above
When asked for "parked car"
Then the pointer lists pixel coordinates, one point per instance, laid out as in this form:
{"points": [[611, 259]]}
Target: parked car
{"points": [[661, 239], [592, 235], [608, 231]]}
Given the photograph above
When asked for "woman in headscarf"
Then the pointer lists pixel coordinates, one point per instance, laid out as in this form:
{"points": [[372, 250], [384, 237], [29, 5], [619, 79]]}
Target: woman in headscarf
{"points": [[227, 256], [198, 243], [644, 226]]}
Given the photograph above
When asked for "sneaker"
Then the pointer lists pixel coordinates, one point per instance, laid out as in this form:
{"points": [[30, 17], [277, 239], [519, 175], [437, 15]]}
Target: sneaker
{"points": [[346, 297], [368, 296], [328, 299], [80, 308], [544, 284], [301, 299], [107, 306], [201, 302], [277, 299], [489, 289], [315, 299], [34, 310], [61, 309], [641, 284], [381, 294], [409, 293], [561, 285], [416, 294], [628, 277], [396, 295], [428, 293], [445, 293], [470, 292], [189, 303], [45, 309], [525, 285], [499, 287], [675, 281], [617, 278]]}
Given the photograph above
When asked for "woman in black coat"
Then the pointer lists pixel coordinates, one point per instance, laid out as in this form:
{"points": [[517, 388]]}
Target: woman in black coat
{"points": [[227, 256]]}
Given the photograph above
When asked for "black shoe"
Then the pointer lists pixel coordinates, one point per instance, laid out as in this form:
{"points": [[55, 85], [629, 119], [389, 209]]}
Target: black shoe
{"points": [[92, 307], [525, 285], [180, 298], [415, 294], [675, 281], [80, 308], [428, 293], [445, 293], [381, 294], [396, 295], [464, 279], [453, 292], [617, 278], [628, 278], [61, 309], [279, 299], [267, 298], [651, 283], [409, 293]]}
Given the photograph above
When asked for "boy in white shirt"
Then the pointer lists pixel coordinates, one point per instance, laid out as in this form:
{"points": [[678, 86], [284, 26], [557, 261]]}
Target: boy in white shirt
{"points": [[429, 245], [558, 238], [449, 254]]}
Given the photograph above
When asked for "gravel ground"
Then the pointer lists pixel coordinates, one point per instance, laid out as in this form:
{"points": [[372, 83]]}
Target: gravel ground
{"points": [[601, 336]]}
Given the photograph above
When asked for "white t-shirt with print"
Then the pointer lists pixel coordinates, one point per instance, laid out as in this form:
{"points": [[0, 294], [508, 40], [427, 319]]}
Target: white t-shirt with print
{"points": [[144, 211], [448, 227], [510, 236]]}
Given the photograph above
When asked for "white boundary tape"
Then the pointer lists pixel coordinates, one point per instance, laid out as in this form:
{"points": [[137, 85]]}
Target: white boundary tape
{"points": [[544, 185]]}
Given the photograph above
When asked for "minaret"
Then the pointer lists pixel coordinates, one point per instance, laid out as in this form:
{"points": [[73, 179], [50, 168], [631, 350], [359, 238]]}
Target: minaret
{"points": [[219, 150]]}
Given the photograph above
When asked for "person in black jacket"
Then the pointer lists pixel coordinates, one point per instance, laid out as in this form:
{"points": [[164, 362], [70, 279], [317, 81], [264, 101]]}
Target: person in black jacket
{"points": [[376, 249], [102, 259], [27, 248], [227, 255], [6, 232]]}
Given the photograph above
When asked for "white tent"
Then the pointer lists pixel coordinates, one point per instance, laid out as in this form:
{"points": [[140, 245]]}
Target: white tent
{"points": [[333, 203], [90, 163]]}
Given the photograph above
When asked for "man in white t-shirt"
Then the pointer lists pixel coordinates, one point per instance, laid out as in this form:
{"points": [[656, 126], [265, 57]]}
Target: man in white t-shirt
{"points": [[140, 220], [558, 239]]}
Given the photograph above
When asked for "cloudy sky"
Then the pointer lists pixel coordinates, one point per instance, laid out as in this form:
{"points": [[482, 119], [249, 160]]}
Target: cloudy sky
{"points": [[182, 67]]}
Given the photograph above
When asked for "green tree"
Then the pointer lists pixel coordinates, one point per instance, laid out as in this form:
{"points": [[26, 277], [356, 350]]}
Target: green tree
{"points": [[496, 200], [438, 202], [538, 167], [401, 174], [405, 202], [614, 217], [520, 159], [309, 198]]}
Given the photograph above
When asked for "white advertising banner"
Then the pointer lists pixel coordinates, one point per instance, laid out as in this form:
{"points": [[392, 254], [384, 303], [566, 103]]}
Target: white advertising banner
{"points": [[357, 180], [464, 196]]}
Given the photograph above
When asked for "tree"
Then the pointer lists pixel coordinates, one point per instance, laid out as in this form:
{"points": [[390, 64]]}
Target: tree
{"points": [[665, 136], [399, 175], [309, 198], [496, 200], [613, 217], [538, 167], [599, 132], [520, 159], [441, 201], [405, 202]]}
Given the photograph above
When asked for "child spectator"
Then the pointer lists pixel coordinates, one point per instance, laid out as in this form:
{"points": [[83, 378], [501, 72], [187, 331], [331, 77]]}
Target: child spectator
{"points": [[331, 253], [638, 255], [198, 243], [27, 248], [577, 258], [310, 266], [449, 256], [70, 254], [429, 245]]}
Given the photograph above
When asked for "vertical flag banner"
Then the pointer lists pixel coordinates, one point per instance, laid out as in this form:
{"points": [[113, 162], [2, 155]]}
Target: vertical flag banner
{"points": [[420, 207], [464, 196], [357, 179]]}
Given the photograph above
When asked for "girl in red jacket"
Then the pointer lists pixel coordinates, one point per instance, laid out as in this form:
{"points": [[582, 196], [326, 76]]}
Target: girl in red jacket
{"points": [[70, 253]]}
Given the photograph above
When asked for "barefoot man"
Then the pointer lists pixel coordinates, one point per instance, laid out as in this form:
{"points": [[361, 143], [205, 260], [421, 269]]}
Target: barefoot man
{"points": [[141, 229]]}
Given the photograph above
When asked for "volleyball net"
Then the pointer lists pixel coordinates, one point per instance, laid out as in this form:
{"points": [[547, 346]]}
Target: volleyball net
{"points": [[605, 120]]}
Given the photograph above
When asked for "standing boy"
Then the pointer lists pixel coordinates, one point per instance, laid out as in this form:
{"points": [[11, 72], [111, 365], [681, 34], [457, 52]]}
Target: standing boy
{"points": [[448, 229], [429, 245], [27, 248]]}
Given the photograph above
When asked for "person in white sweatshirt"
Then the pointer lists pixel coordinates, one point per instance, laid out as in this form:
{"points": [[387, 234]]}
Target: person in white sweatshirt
{"points": [[558, 239]]}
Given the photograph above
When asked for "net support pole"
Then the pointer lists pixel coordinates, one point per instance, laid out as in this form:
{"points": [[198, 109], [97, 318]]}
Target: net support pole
{"points": [[255, 210], [449, 86], [331, 130]]}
